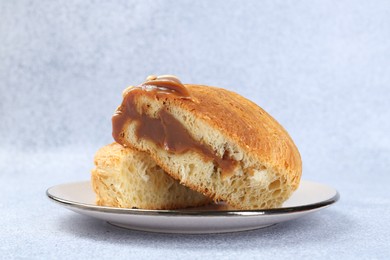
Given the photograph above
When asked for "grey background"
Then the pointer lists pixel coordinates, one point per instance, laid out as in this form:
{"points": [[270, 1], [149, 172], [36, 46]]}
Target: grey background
{"points": [[321, 68]]}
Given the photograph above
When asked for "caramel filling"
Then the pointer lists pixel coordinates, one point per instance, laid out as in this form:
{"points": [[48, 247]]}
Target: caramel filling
{"points": [[165, 131], [168, 84]]}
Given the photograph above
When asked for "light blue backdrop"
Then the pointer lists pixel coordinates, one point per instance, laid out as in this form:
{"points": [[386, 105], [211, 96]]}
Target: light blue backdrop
{"points": [[321, 68]]}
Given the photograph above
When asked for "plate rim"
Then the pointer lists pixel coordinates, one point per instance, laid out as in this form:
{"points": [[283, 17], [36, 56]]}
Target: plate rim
{"points": [[188, 211]]}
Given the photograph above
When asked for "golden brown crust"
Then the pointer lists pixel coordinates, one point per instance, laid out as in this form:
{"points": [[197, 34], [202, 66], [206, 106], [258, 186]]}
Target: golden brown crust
{"points": [[246, 124]]}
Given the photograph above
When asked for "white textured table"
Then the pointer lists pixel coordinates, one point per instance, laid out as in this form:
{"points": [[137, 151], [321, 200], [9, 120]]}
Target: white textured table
{"points": [[321, 68]]}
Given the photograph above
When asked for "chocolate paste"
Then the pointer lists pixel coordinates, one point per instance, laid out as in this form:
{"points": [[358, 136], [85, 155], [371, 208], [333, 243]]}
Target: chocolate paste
{"points": [[165, 131]]}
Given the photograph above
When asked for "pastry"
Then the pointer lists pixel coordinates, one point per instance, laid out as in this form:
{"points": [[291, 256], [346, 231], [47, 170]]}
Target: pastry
{"points": [[127, 178], [210, 139]]}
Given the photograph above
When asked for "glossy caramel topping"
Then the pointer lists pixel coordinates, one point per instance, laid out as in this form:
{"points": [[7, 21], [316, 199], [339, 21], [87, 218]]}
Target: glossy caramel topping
{"points": [[169, 83]]}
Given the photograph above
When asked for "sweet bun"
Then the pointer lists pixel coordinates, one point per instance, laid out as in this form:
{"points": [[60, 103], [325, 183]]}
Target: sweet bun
{"points": [[126, 178], [212, 140]]}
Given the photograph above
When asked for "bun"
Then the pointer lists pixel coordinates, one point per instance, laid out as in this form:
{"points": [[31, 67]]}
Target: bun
{"points": [[126, 178], [213, 141]]}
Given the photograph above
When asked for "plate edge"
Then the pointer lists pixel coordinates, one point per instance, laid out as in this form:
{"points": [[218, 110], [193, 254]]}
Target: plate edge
{"points": [[197, 213]]}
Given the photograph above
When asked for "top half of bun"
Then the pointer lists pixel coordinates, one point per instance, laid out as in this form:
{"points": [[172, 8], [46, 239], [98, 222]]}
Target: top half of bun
{"points": [[236, 118]]}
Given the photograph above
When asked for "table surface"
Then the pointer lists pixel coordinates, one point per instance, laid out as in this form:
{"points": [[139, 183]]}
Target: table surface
{"points": [[33, 226], [322, 69]]}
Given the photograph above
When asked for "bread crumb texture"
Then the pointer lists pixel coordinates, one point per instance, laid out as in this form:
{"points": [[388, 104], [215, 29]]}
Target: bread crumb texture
{"points": [[127, 178]]}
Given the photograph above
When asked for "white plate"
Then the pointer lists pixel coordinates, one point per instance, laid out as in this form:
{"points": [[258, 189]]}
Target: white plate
{"points": [[309, 197]]}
